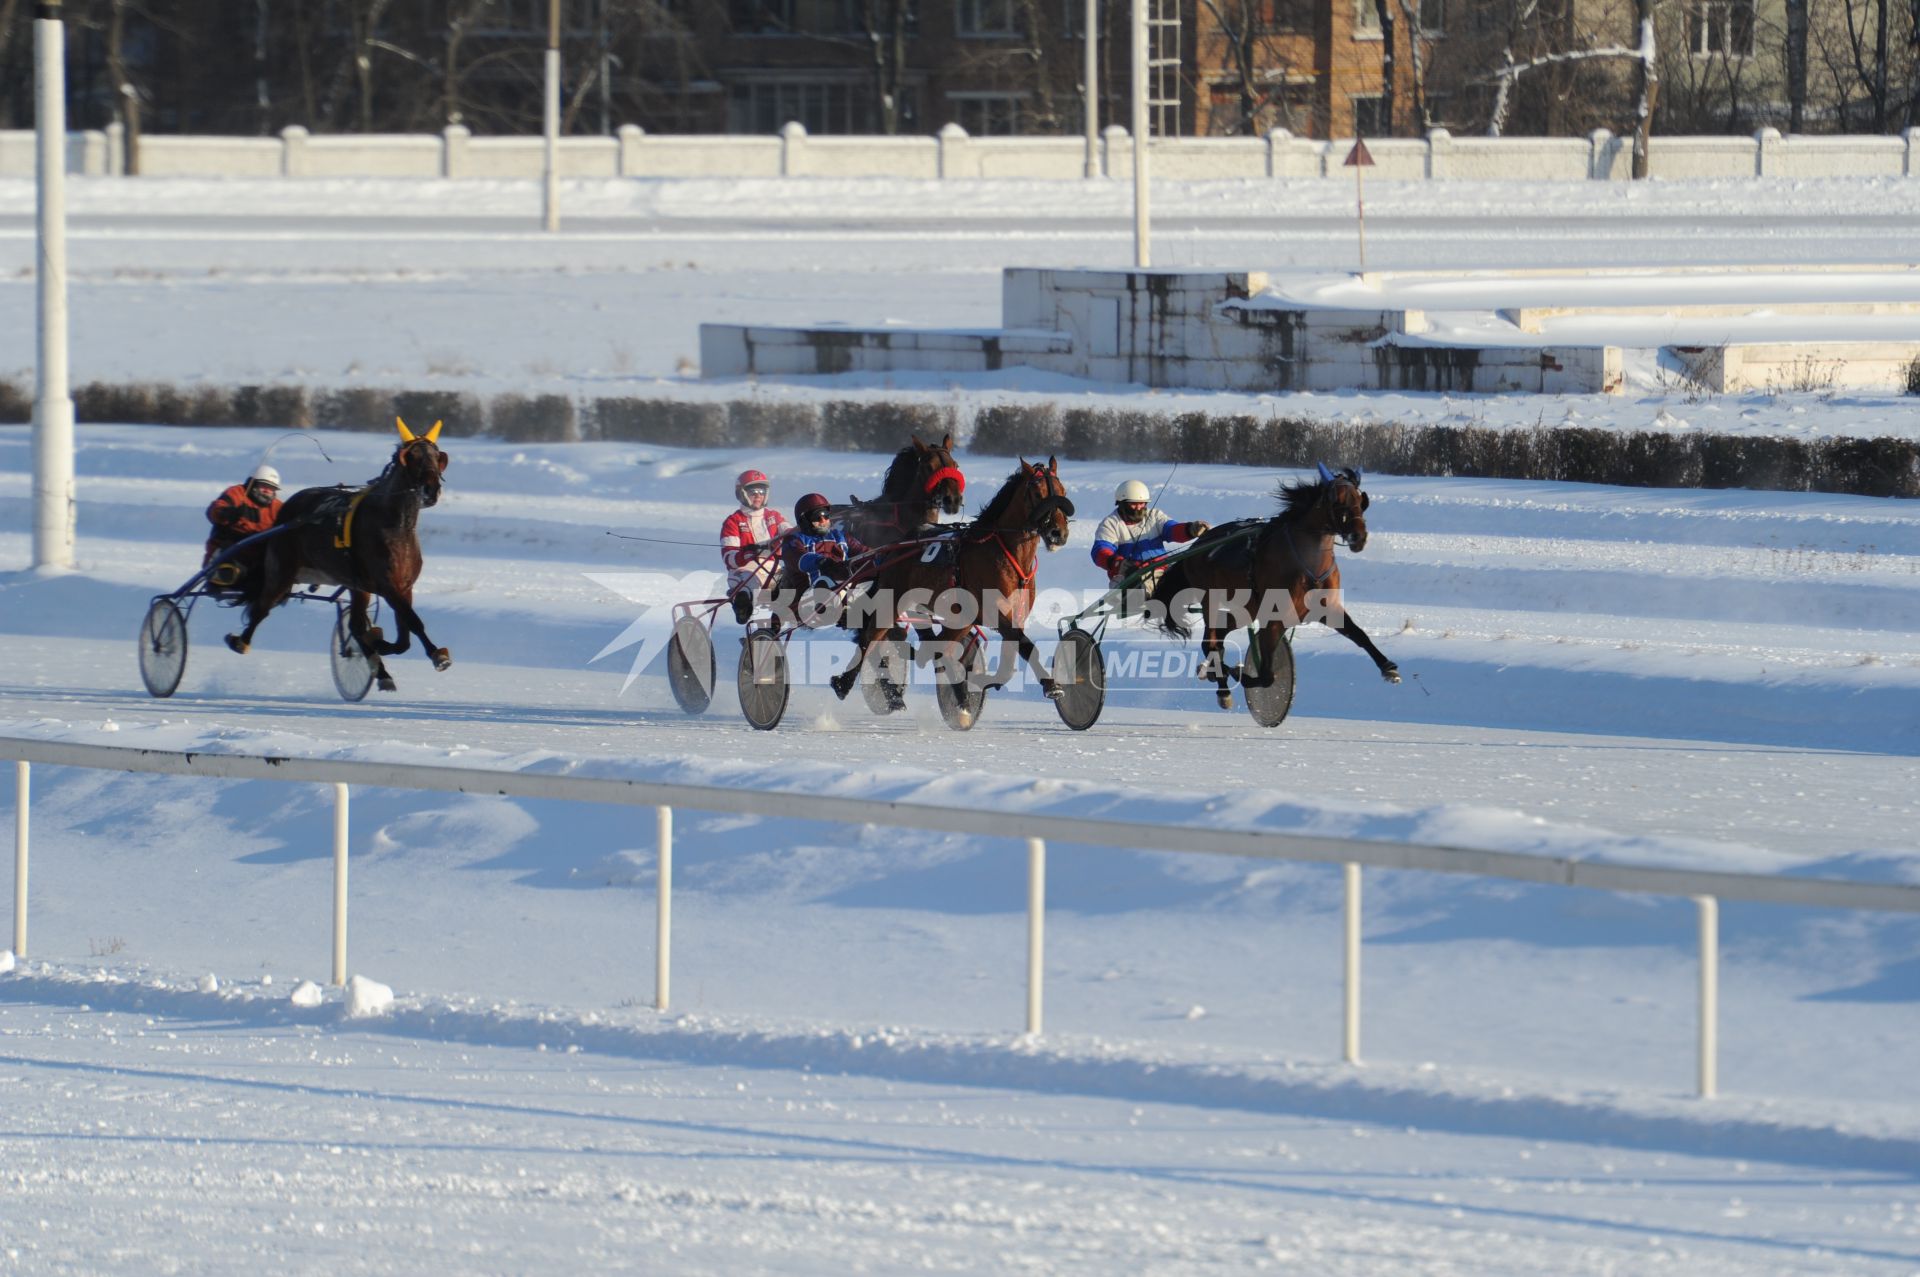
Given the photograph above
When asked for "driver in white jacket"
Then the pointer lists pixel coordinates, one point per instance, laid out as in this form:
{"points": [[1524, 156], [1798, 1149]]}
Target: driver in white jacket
{"points": [[1137, 533]]}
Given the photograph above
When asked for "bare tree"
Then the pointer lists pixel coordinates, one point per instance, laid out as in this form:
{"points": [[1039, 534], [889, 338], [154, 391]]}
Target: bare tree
{"points": [[1532, 47], [9, 23], [1646, 87], [126, 96], [1796, 65], [1383, 11], [1252, 56], [1410, 10]]}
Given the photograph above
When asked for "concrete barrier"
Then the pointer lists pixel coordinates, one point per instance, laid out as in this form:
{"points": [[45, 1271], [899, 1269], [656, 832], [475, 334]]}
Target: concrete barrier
{"points": [[953, 155]]}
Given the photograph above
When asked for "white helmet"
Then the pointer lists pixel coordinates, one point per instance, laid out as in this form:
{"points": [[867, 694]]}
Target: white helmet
{"points": [[1131, 490], [264, 473]]}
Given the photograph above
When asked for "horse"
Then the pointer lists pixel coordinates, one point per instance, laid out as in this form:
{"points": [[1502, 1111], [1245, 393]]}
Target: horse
{"points": [[1290, 555], [990, 566], [922, 483], [363, 538]]}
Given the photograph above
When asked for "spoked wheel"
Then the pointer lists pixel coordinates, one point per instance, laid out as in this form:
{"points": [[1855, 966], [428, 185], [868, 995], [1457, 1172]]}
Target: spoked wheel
{"points": [[690, 665], [763, 682], [1080, 675], [1269, 689], [889, 661], [352, 669], [961, 685], [163, 648]]}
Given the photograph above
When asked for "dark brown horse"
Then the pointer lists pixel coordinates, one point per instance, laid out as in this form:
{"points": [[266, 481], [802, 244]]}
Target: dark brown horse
{"points": [[922, 483], [1275, 573], [987, 578], [363, 538]]}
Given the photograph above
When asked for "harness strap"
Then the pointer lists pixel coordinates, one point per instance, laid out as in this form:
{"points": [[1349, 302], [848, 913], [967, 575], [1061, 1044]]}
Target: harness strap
{"points": [[344, 539], [1293, 548], [1024, 575]]}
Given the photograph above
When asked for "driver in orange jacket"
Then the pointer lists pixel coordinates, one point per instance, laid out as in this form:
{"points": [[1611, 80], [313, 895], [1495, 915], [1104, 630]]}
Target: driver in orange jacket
{"points": [[240, 512]]}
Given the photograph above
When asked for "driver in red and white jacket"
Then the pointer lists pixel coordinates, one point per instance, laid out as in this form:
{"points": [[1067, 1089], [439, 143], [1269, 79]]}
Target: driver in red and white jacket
{"points": [[749, 542]]}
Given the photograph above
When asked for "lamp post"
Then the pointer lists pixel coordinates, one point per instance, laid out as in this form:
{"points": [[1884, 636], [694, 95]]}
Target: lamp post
{"points": [[553, 116], [53, 498], [1142, 248]]}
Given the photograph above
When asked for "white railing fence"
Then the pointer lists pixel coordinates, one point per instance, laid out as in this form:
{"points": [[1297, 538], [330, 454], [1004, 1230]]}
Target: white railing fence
{"points": [[953, 155], [1706, 888]]}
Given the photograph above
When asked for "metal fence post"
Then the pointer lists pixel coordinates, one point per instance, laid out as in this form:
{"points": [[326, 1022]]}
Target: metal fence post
{"points": [[339, 885], [1351, 1042], [20, 773], [1709, 911], [663, 943], [1036, 928]]}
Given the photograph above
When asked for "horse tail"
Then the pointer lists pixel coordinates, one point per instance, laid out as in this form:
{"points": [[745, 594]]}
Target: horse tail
{"points": [[1165, 592]]}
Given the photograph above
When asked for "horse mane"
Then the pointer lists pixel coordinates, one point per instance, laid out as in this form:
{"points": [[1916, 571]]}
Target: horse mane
{"points": [[901, 473], [997, 506], [1296, 499]]}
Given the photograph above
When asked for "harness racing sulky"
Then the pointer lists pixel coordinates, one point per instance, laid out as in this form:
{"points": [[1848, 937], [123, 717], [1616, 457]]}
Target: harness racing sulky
{"points": [[1264, 575], [343, 545]]}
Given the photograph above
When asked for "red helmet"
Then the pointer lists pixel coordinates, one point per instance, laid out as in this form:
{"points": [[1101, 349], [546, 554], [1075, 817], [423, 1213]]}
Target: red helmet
{"points": [[749, 479], [808, 506]]}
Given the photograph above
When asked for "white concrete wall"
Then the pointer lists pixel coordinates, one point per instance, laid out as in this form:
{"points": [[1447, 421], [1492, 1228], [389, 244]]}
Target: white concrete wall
{"points": [[955, 156], [88, 154], [169, 155]]}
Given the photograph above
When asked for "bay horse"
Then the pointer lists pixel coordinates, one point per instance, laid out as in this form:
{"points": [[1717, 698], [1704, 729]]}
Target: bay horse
{"points": [[1275, 566], [922, 483], [987, 575], [364, 538]]}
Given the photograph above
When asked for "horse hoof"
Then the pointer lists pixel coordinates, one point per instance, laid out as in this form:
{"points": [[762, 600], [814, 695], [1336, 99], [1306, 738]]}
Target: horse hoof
{"points": [[1391, 673], [1225, 699], [442, 658], [1052, 690], [234, 642], [841, 685], [387, 685]]}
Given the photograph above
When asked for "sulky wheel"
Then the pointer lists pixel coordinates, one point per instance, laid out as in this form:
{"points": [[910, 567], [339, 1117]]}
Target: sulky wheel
{"points": [[1269, 688], [960, 683], [763, 681], [690, 665], [1080, 675], [163, 648], [352, 669]]}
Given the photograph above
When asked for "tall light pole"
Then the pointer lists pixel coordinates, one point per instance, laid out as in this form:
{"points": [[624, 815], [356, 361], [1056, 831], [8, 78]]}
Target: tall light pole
{"points": [[1142, 253], [1090, 72], [553, 115], [53, 500]]}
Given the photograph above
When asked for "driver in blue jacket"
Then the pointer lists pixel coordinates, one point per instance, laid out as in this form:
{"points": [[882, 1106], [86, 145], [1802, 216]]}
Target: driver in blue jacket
{"points": [[817, 551]]}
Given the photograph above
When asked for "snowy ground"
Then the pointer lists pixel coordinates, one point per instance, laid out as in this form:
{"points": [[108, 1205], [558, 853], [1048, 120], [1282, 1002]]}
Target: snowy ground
{"points": [[1724, 678]]}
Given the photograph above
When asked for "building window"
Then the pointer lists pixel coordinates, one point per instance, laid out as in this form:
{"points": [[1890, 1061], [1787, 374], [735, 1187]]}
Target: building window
{"points": [[985, 18], [1368, 118], [1284, 15], [1721, 27], [1433, 15], [988, 114], [821, 106]]}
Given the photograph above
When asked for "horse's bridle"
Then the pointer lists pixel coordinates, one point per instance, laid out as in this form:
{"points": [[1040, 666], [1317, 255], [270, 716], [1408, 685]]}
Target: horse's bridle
{"points": [[1040, 518], [429, 495]]}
